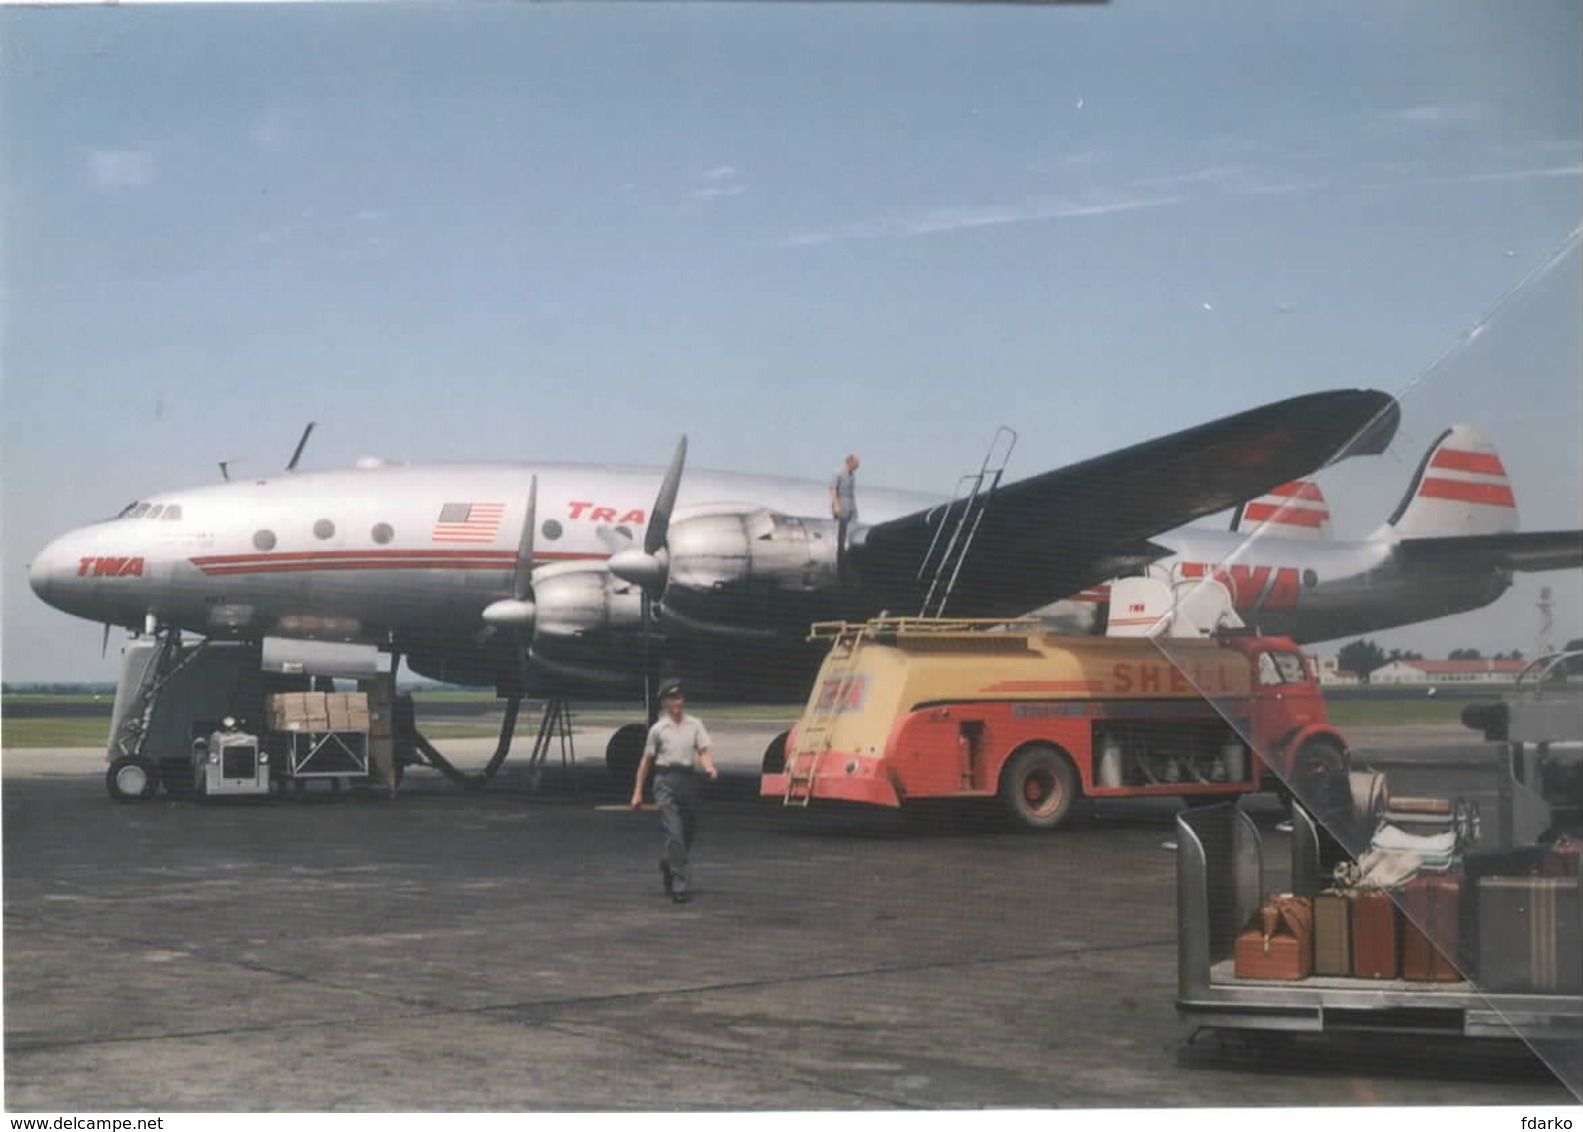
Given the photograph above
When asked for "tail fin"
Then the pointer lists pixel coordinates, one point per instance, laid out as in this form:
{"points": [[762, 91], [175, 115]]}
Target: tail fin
{"points": [[1460, 488], [1293, 510]]}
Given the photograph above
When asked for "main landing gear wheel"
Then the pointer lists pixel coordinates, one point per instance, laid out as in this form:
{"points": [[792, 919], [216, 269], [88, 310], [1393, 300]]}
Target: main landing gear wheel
{"points": [[624, 752], [1038, 787], [775, 754], [132, 778]]}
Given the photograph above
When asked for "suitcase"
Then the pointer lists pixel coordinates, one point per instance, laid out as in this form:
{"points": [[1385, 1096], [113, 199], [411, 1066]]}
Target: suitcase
{"points": [[1523, 861], [1333, 933], [1432, 910], [1563, 858], [1375, 935], [1528, 934], [1279, 942]]}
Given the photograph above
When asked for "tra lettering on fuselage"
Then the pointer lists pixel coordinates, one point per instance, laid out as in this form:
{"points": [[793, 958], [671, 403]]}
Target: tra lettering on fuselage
{"points": [[110, 567], [596, 513], [1252, 587]]}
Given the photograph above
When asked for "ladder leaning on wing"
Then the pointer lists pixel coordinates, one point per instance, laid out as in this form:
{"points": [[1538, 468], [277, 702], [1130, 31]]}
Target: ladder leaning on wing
{"points": [[813, 740], [953, 538]]}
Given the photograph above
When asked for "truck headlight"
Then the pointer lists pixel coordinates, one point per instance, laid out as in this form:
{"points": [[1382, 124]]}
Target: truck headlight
{"points": [[263, 757]]}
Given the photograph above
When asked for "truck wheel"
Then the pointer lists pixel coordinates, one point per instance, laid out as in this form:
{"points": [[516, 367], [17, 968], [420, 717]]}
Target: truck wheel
{"points": [[131, 778], [1319, 778], [624, 752], [1038, 787], [775, 755]]}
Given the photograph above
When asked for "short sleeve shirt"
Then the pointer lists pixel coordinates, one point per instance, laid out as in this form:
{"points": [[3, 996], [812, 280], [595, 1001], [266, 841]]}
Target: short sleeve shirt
{"points": [[845, 485], [676, 744]]}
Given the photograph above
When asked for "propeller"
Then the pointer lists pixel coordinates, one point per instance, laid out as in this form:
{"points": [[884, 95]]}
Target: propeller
{"points": [[517, 612], [648, 567]]}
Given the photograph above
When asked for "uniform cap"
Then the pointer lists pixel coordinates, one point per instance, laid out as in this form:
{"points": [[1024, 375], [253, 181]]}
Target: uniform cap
{"points": [[670, 688]]}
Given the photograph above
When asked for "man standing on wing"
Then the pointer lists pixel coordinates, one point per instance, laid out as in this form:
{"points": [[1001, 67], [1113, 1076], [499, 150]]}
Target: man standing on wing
{"points": [[678, 746]]}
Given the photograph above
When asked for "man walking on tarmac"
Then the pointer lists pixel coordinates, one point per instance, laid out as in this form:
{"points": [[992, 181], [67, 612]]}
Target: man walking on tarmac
{"points": [[678, 746]]}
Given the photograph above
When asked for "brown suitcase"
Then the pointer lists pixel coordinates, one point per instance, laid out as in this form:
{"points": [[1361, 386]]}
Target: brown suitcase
{"points": [[1333, 933], [1432, 908], [1279, 942], [1374, 935]]}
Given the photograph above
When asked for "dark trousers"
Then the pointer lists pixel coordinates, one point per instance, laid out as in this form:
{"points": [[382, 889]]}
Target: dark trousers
{"points": [[676, 793]]}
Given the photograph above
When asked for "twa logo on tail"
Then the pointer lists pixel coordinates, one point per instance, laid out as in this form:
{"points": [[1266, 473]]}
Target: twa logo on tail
{"points": [[1460, 489]]}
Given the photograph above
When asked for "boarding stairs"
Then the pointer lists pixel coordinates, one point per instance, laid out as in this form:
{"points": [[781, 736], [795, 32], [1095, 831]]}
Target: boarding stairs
{"points": [[953, 538], [814, 736], [132, 735]]}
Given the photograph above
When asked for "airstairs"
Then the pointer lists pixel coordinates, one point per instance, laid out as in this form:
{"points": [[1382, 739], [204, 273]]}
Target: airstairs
{"points": [[953, 538]]}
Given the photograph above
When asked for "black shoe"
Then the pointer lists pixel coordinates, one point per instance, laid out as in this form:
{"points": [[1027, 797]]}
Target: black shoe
{"points": [[681, 897], [669, 878]]}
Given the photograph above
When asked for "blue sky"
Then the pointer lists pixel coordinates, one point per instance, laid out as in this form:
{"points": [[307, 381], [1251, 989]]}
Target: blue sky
{"points": [[576, 231]]}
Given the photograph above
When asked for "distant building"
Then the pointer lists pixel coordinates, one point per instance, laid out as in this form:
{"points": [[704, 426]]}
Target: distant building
{"points": [[1448, 672], [1331, 674]]}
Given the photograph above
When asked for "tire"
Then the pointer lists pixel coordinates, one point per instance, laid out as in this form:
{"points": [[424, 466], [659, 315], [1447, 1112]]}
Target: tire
{"points": [[132, 778], [624, 752], [1319, 777], [1038, 787], [775, 755]]}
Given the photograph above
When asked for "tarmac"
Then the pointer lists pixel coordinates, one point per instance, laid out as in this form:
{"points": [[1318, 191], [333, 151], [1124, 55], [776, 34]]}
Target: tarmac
{"points": [[510, 948]]}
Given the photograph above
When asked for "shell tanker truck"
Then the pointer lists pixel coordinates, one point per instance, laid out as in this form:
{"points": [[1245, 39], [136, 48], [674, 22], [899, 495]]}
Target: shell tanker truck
{"points": [[909, 709]]}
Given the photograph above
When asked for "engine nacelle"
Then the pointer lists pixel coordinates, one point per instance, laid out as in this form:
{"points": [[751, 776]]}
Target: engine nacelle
{"points": [[576, 603], [727, 566]]}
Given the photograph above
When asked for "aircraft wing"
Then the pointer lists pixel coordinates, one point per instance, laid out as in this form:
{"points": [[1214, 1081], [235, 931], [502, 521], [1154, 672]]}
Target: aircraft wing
{"points": [[1045, 538], [1516, 550]]}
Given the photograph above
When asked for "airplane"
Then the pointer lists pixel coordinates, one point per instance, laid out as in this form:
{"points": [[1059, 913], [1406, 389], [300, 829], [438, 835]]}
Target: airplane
{"points": [[555, 579], [1451, 545]]}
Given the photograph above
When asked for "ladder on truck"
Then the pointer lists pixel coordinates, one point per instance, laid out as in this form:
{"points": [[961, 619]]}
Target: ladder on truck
{"points": [[813, 740], [953, 538]]}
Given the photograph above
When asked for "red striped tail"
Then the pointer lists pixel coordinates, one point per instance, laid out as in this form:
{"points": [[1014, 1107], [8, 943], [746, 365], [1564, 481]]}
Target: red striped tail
{"points": [[1460, 488], [1293, 510]]}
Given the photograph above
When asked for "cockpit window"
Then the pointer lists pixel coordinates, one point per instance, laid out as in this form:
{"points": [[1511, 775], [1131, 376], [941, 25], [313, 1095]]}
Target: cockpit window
{"points": [[173, 511], [139, 511], [155, 511], [127, 510]]}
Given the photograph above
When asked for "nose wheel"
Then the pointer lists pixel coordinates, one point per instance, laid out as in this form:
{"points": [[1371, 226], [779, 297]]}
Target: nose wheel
{"points": [[132, 778]]}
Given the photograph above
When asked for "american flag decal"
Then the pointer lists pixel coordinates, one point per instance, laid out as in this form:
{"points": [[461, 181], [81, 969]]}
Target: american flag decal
{"points": [[468, 522]]}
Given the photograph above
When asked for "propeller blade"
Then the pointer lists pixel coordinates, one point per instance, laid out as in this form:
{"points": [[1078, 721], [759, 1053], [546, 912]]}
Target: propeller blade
{"points": [[522, 580], [665, 501]]}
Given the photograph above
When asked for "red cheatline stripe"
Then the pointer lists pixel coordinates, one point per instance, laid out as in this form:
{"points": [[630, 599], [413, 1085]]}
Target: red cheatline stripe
{"points": [[1458, 460], [327, 555], [1285, 513], [373, 560], [1299, 489], [1490, 494]]}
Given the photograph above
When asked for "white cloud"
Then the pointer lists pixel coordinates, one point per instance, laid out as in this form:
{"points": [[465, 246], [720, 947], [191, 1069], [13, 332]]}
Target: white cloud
{"points": [[1430, 115], [113, 169], [719, 181], [956, 218]]}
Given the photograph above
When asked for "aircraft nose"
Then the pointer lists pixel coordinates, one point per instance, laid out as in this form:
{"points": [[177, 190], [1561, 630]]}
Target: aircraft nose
{"points": [[47, 572]]}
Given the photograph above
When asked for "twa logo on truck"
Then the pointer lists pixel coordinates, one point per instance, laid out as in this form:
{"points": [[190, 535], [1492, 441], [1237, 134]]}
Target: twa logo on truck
{"points": [[110, 567]]}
